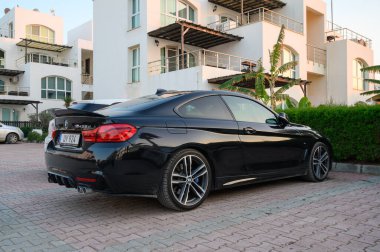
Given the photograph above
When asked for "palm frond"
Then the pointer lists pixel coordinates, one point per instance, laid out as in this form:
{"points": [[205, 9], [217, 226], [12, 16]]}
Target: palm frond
{"points": [[286, 67], [287, 86], [275, 55], [281, 97], [260, 82], [291, 103], [374, 81], [373, 92], [372, 69]]}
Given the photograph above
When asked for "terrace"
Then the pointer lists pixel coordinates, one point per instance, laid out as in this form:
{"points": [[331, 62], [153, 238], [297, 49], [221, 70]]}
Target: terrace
{"points": [[335, 32]]}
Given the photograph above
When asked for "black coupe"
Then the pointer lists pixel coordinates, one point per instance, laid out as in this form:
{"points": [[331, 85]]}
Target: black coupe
{"points": [[179, 146]]}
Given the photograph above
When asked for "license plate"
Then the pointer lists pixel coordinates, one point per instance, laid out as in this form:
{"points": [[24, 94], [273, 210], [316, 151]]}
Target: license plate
{"points": [[69, 139]]}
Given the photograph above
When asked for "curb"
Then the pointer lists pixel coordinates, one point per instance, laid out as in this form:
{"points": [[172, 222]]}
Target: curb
{"points": [[356, 168]]}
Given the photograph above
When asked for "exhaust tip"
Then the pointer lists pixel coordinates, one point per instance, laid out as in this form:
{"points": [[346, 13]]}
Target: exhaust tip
{"points": [[83, 189]]}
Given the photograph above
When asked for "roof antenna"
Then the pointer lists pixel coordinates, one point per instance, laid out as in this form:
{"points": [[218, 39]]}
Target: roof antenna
{"points": [[160, 91]]}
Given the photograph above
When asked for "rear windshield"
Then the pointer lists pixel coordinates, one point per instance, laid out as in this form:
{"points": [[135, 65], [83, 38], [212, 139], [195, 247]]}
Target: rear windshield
{"points": [[90, 107], [141, 103]]}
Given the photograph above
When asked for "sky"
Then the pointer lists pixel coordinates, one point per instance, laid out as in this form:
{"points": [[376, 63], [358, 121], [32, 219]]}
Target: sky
{"points": [[359, 16]]}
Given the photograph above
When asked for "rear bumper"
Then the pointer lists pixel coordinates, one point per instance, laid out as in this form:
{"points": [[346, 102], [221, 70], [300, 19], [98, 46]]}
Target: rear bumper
{"points": [[107, 167]]}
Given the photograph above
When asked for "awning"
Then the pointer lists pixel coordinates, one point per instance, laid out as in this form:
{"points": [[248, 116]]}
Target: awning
{"points": [[249, 5], [281, 81], [18, 102], [196, 35], [9, 72], [29, 43]]}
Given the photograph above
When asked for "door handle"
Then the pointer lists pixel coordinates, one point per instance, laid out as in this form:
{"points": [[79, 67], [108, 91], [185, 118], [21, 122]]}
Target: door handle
{"points": [[249, 131]]}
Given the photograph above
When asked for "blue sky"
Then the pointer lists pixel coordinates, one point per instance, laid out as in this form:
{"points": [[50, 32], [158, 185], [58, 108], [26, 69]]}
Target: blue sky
{"points": [[359, 16]]}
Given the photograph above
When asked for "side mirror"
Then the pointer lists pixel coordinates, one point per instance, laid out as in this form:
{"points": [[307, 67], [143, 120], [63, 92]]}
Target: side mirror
{"points": [[283, 118]]}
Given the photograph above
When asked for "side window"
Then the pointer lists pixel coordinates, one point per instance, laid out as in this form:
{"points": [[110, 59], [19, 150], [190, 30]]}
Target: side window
{"points": [[246, 110], [210, 107]]}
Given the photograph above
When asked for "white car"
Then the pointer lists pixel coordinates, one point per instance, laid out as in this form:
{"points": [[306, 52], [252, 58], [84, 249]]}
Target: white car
{"points": [[10, 134], [88, 105]]}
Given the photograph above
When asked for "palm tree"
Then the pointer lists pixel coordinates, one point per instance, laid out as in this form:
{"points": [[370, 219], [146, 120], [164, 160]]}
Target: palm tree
{"points": [[261, 78], [373, 70], [67, 101]]}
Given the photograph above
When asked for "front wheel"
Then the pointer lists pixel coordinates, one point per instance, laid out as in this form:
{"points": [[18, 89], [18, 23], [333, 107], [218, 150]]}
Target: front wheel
{"points": [[12, 138], [319, 164], [186, 181]]}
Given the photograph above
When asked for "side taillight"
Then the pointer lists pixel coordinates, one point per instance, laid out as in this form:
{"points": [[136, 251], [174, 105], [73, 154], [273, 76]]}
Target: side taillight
{"points": [[110, 133]]}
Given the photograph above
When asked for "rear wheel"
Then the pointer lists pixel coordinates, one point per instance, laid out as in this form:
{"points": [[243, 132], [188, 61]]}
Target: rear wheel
{"points": [[186, 181], [12, 138], [319, 164]]}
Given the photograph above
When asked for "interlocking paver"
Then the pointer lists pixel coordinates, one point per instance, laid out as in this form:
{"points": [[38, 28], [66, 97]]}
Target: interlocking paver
{"points": [[341, 214]]}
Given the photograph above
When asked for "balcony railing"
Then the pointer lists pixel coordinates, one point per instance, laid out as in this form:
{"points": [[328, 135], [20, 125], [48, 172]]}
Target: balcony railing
{"points": [[316, 55], [259, 15], [14, 90], [336, 32], [201, 58], [56, 61], [87, 79]]}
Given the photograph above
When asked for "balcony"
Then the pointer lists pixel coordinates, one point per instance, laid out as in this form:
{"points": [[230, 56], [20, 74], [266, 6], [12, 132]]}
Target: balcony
{"points": [[87, 79], [336, 33], [317, 60], [13, 90], [259, 15], [44, 59], [201, 58]]}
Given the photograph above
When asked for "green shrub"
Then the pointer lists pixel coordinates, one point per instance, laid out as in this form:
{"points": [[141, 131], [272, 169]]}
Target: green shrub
{"points": [[26, 131], [354, 132], [36, 137]]}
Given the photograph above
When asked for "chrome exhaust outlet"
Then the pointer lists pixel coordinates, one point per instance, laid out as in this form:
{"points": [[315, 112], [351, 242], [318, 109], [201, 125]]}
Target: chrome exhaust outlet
{"points": [[83, 189]]}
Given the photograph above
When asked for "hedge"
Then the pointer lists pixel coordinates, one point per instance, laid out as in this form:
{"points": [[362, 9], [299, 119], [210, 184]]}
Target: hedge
{"points": [[354, 132]]}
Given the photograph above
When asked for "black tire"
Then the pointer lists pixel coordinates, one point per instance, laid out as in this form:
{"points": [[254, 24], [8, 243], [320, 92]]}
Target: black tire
{"points": [[12, 138], [166, 193], [319, 151]]}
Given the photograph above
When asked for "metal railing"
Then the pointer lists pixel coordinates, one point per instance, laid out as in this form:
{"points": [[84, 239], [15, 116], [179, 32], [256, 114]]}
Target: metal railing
{"points": [[335, 32], [167, 19], [263, 14], [259, 15], [14, 90], [316, 55], [56, 61], [201, 58], [87, 79], [22, 124]]}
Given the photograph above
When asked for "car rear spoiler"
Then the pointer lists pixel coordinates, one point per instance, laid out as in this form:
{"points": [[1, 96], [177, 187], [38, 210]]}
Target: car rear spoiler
{"points": [[75, 112]]}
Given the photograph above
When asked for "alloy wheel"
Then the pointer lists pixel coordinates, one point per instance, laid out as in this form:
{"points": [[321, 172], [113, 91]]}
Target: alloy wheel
{"points": [[12, 138], [321, 162], [189, 180]]}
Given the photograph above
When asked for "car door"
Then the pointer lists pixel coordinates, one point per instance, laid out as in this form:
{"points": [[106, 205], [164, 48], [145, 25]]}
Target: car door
{"points": [[209, 122], [268, 147]]}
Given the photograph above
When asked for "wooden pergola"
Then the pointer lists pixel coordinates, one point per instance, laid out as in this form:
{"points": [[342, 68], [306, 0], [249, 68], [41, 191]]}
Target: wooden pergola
{"points": [[281, 81], [193, 34]]}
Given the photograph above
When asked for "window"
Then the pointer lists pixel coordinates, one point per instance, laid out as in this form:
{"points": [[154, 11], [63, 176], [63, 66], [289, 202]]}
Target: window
{"points": [[6, 114], [2, 59], [55, 88], [211, 107], [172, 10], [173, 62], [40, 33], [2, 86], [135, 64], [40, 58], [10, 30], [358, 75], [246, 110], [135, 17], [288, 56]]}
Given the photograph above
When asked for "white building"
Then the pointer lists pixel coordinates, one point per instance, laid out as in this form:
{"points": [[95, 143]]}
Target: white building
{"points": [[35, 65], [138, 46]]}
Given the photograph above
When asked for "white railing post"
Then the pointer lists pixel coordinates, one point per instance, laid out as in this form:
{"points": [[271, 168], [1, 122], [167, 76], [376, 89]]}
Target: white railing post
{"points": [[217, 60]]}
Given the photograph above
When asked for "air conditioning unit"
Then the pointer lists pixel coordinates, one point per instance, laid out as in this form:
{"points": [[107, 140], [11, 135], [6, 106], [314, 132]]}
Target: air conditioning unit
{"points": [[14, 79]]}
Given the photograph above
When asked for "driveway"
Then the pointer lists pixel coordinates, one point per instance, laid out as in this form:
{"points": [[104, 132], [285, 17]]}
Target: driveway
{"points": [[341, 214]]}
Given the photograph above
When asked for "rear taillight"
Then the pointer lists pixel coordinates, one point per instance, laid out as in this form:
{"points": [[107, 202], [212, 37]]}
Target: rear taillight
{"points": [[110, 133]]}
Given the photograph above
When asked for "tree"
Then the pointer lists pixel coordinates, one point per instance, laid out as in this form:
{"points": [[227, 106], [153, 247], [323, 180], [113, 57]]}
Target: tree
{"points": [[373, 70], [67, 101], [261, 78]]}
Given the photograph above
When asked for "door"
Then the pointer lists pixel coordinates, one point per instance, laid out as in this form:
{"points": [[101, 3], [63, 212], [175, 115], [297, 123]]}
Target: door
{"points": [[209, 122], [172, 59], [268, 147], [87, 65]]}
